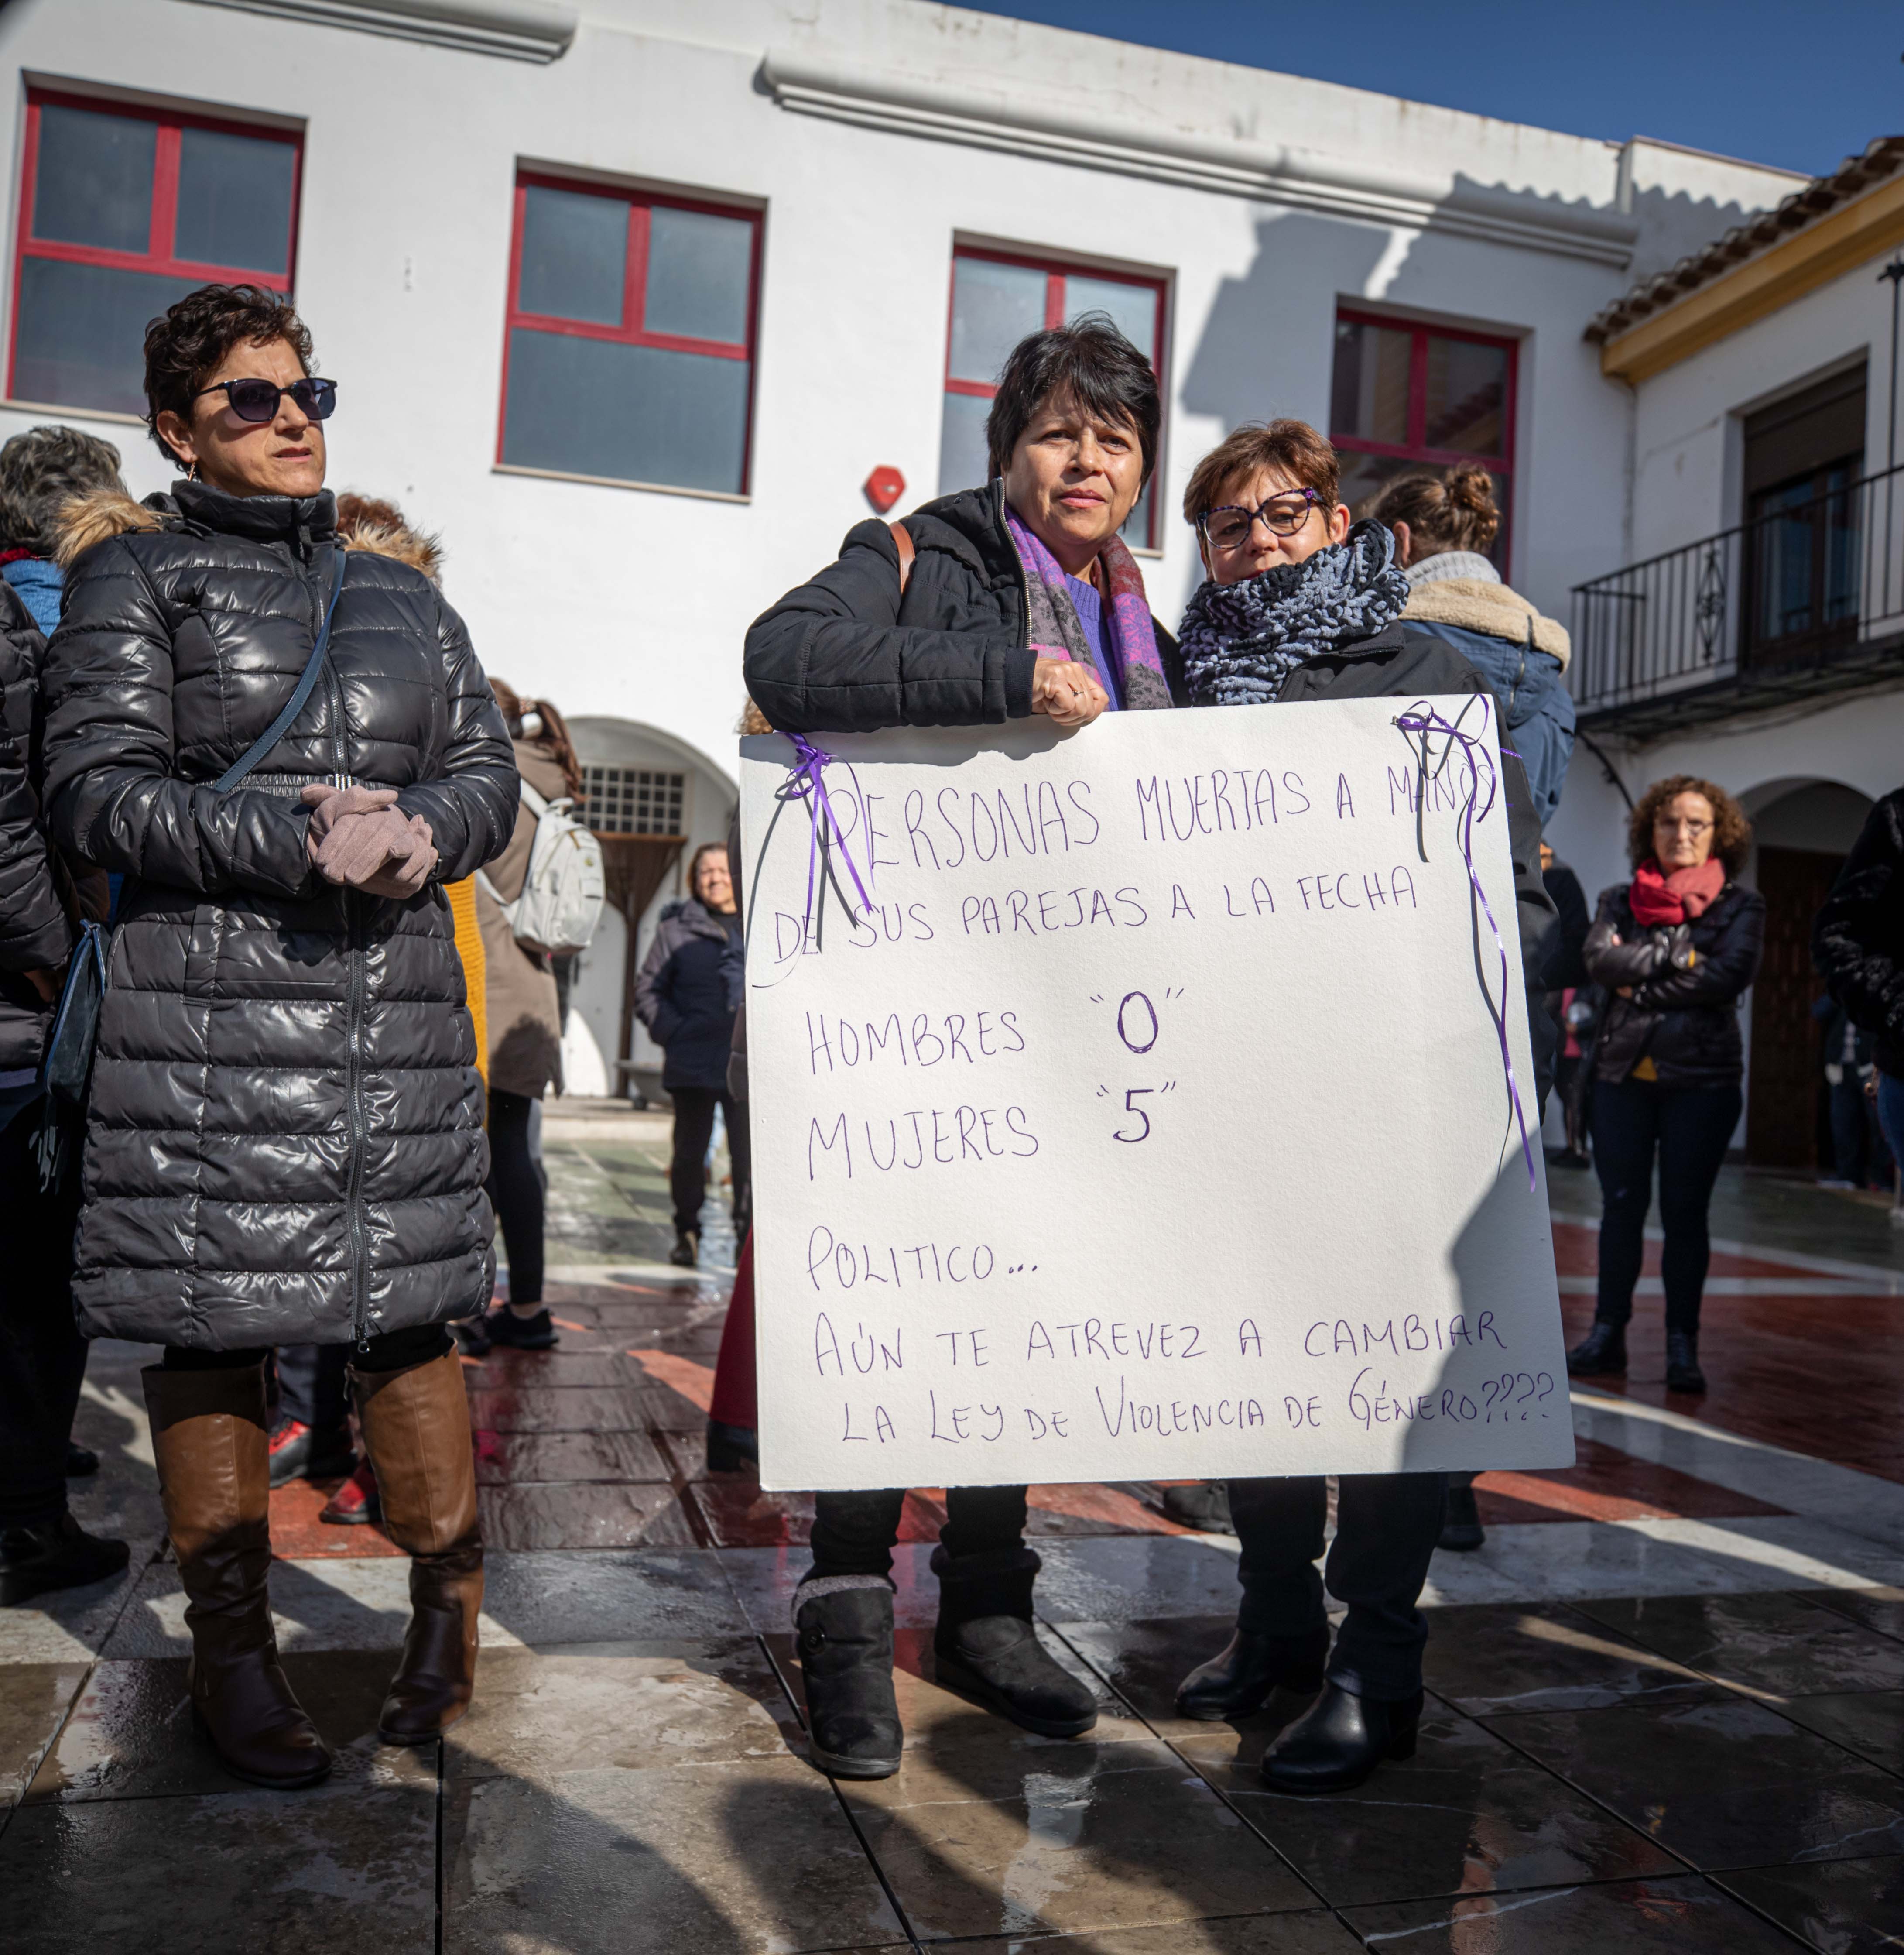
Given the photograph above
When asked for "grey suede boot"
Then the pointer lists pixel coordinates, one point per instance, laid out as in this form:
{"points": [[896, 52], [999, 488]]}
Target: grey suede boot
{"points": [[843, 1628], [988, 1650]]}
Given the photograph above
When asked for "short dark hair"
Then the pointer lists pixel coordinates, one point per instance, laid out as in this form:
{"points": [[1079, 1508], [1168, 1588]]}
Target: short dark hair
{"points": [[40, 472], [187, 346], [1292, 447], [1089, 359]]}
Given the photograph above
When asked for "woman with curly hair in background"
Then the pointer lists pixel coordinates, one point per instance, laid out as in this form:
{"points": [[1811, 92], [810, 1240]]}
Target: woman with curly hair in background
{"points": [[1676, 949]]}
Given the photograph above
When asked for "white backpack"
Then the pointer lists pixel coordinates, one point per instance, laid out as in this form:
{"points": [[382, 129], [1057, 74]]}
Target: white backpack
{"points": [[560, 904]]}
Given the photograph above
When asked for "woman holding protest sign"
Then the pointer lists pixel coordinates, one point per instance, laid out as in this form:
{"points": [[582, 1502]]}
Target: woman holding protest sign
{"points": [[285, 747], [1300, 605], [992, 604]]}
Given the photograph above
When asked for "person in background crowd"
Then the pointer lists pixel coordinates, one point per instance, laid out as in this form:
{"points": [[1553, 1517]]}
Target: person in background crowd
{"points": [[733, 1413], [43, 1355], [1674, 949], [312, 1089], [1566, 981], [1300, 604], [682, 996], [1857, 945], [1443, 524], [1859, 1157], [525, 1032], [988, 605]]}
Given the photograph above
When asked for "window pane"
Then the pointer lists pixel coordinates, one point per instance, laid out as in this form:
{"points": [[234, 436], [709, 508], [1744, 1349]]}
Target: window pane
{"points": [[1467, 396], [698, 271], [993, 308], [634, 414], [1371, 396], [94, 181], [1136, 531], [234, 200], [961, 444], [80, 340], [575, 255], [1134, 308]]}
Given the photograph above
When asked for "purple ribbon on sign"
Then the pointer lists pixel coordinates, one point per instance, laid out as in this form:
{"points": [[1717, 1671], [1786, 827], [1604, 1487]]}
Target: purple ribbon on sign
{"points": [[807, 782], [1422, 719]]}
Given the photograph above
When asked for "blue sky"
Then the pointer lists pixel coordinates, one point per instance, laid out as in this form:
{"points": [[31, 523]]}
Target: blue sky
{"points": [[1774, 81]]}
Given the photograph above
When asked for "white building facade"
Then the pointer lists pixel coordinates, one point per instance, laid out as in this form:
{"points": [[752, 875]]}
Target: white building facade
{"points": [[642, 304]]}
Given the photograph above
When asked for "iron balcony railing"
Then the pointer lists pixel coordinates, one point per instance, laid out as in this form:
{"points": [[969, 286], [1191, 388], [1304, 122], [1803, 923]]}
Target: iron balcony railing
{"points": [[1807, 595]]}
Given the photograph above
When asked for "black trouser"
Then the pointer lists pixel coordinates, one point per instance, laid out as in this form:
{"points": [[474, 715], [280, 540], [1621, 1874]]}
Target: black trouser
{"points": [[853, 1533], [389, 1351], [42, 1356], [1857, 1139], [1688, 1126], [515, 1192], [312, 1386], [1386, 1525], [693, 1128]]}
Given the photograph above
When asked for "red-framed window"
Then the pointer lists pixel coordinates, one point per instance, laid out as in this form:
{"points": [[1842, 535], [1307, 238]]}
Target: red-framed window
{"points": [[630, 352], [123, 211], [997, 298], [1408, 396]]}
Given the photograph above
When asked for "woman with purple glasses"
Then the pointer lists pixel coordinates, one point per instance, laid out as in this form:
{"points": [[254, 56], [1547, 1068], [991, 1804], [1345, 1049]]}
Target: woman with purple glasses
{"points": [[286, 1137]]}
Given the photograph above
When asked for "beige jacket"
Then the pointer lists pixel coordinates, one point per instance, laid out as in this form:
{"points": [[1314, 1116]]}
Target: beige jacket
{"points": [[525, 1023]]}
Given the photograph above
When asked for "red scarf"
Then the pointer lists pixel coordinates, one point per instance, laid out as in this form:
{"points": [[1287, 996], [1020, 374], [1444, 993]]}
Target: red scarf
{"points": [[1657, 897]]}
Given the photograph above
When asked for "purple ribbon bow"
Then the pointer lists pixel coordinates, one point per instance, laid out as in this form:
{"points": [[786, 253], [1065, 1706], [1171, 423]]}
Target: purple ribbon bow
{"points": [[1421, 720], [807, 782]]}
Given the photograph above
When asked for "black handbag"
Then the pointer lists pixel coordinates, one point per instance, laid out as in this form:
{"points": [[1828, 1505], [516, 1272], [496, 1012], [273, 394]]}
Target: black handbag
{"points": [[66, 1066]]}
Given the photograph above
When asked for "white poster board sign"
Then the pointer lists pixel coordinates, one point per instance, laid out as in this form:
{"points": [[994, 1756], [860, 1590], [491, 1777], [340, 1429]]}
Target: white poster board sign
{"points": [[1153, 1121]]}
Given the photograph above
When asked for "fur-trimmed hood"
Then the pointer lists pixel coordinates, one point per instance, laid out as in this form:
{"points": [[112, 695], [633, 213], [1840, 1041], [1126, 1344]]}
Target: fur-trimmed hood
{"points": [[106, 513], [1469, 605]]}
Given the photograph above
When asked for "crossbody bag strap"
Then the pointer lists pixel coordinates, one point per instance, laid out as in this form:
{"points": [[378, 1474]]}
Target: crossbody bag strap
{"points": [[902, 541], [279, 727]]}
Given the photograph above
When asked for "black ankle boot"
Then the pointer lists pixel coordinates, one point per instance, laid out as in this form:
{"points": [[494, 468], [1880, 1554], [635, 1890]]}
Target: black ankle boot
{"points": [[988, 1650], [732, 1449], [1601, 1353], [1461, 1531], [844, 1638], [1240, 1677], [1339, 1740], [57, 1554], [1682, 1371]]}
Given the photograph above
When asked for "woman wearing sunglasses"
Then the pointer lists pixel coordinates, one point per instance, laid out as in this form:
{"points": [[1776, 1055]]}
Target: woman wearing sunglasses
{"points": [[1300, 604], [285, 1140]]}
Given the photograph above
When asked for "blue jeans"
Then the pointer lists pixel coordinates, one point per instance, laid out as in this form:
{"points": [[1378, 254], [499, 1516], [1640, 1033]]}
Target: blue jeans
{"points": [[1689, 1128], [1890, 1115]]}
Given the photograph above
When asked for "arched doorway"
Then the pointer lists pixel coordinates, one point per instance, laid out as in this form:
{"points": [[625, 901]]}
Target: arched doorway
{"points": [[653, 800], [1802, 831]]}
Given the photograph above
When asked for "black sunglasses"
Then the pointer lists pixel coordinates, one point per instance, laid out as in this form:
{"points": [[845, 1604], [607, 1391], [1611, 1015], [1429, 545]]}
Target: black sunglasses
{"points": [[257, 400]]}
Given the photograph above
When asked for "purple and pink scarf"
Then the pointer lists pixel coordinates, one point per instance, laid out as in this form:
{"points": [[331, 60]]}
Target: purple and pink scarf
{"points": [[1138, 681]]}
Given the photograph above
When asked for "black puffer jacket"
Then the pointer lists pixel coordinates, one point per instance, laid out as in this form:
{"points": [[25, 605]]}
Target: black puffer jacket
{"points": [[286, 1140], [828, 657], [1687, 981], [1858, 941], [683, 995], [36, 932]]}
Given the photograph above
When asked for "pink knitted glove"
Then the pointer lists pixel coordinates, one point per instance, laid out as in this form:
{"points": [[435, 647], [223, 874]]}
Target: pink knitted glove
{"points": [[357, 838]]}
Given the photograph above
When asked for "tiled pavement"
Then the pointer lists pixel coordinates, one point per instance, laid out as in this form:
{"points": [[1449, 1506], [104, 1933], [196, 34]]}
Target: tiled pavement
{"points": [[1667, 1705]]}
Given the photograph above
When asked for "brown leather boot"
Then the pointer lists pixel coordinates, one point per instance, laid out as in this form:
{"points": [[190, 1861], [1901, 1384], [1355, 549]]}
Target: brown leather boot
{"points": [[208, 1436], [417, 1431]]}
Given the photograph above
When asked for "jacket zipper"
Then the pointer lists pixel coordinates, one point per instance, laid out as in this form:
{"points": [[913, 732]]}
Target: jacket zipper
{"points": [[354, 956]]}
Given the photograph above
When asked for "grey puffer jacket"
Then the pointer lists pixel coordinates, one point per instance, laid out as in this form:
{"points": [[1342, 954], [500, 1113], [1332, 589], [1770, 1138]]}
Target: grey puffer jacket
{"points": [[35, 930], [285, 1140]]}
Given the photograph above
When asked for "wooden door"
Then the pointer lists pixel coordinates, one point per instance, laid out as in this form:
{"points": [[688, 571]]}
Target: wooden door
{"points": [[1783, 1093]]}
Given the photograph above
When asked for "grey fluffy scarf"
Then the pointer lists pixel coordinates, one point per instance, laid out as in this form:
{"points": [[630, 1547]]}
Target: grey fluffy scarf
{"points": [[1241, 641]]}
